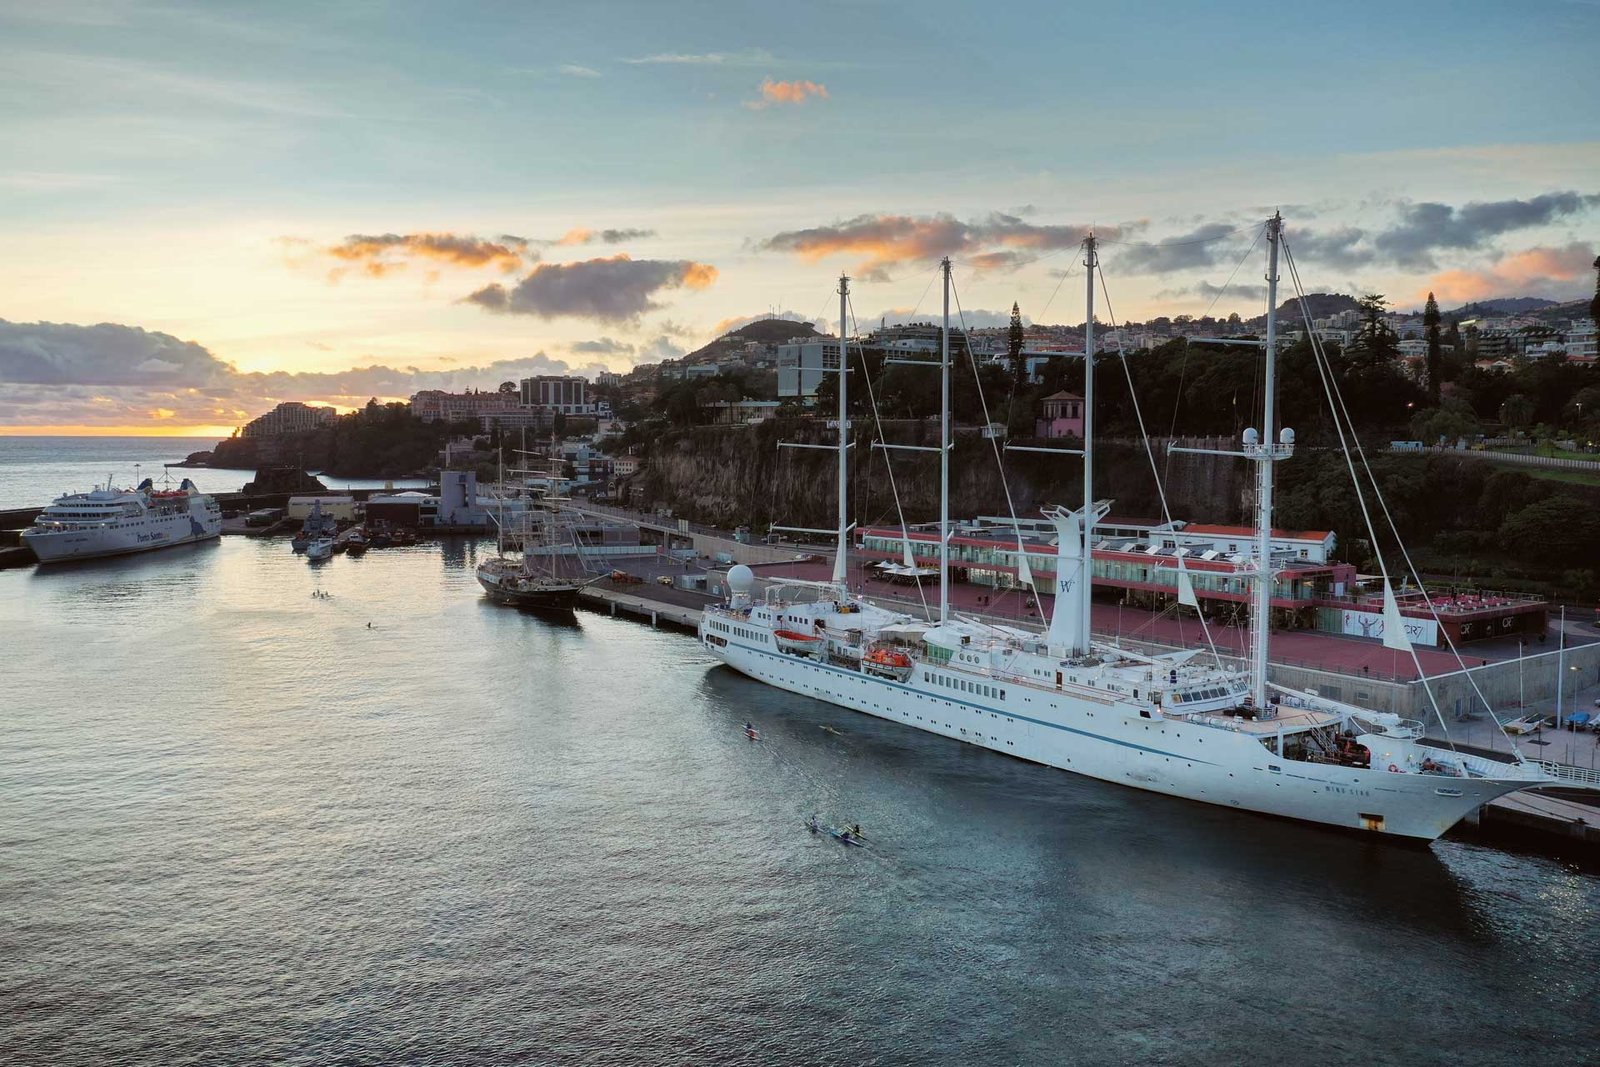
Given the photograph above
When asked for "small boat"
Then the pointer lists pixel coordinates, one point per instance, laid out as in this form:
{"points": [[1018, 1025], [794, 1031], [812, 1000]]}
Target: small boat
{"points": [[355, 544], [887, 663], [319, 550], [845, 837], [750, 732], [795, 641], [825, 728]]}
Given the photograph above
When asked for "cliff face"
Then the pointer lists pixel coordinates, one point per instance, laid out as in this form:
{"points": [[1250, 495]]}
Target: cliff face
{"points": [[735, 476]]}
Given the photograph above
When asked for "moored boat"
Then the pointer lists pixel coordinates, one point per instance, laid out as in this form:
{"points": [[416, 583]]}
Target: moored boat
{"points": [[115, 522], [1178, 723]]}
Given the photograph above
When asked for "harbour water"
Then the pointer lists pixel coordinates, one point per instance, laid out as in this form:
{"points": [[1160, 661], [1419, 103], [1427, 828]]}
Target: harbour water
{"points": [[240, 825], [36, 470]]}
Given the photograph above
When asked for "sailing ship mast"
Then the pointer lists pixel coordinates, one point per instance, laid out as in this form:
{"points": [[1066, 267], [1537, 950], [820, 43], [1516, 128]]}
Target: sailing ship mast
{"points": [[1264, 451], [944, 451], [841, 561], [1266, 454], [1086, 523]]}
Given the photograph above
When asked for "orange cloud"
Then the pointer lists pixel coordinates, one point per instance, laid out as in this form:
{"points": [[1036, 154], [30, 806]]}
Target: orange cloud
{"points": [[699, 276], [378, 254], [1541, 269], [795, 92], [576, 236]]}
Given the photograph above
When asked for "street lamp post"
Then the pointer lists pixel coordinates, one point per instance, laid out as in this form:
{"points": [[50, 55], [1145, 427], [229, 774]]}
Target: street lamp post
{"points": [[1561, 663]]}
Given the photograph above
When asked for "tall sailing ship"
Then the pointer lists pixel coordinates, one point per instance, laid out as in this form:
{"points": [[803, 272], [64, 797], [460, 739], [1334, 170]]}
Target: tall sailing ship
{"points": [[1170, 723], [115, 522], [539, 578]]}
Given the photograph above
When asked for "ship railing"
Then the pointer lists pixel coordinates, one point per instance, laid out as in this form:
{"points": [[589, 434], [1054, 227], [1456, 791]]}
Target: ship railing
{"points": [[1566, 774]]}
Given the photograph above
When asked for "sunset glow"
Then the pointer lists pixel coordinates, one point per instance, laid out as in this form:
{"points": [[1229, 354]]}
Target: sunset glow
{"points": [[216, 214]]}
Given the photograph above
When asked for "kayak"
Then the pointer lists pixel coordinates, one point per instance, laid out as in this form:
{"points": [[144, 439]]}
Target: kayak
{"points": [[845, 837]]}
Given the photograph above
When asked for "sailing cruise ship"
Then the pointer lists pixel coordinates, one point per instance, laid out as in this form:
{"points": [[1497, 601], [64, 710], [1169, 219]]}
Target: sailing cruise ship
{"points": [[116, 522], [1167, 722]]}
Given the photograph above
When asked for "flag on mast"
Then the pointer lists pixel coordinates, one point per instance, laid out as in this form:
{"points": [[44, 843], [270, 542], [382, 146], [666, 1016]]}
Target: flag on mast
{"points": [[1394, 624]]}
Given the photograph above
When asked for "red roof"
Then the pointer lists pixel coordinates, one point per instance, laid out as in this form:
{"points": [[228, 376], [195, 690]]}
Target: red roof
{"points": [[1250, 531]]}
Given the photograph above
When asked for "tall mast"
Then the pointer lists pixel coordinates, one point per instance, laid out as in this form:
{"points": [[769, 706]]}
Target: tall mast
{"points": [[1086, 574], [841, 561], [944, 451], [1261, 616]]}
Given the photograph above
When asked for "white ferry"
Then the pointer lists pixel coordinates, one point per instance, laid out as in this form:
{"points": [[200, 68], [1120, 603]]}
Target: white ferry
{"points": [[1168, 722], [116, 522]]}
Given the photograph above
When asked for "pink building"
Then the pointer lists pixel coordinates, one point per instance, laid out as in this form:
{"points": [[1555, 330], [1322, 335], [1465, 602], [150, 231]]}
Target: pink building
{"points": [[1062, 416]]}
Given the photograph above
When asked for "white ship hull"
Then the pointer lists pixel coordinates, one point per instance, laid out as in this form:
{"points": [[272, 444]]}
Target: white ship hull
{"points": [[128, 536], [1163, 756]]}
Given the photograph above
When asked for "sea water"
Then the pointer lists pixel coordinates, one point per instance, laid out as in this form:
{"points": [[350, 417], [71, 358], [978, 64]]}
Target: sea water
{"points": [[240, 824]]}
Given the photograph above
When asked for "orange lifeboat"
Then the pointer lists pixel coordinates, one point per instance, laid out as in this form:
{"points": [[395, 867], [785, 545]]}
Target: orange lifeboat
{"points": [[889, 662]]}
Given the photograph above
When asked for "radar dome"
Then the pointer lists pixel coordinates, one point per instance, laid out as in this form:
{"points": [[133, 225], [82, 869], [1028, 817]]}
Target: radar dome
{"points": [[741, 579]]}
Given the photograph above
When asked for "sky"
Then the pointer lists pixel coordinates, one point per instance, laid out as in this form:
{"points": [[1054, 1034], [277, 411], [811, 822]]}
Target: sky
{"points": [[212, 207]]}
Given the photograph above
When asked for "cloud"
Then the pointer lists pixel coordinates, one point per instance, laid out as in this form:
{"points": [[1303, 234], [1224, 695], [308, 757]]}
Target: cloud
{"points": [[1210, 291], [674, 329], [749, 58], [573, 70], [1337, 248], [379, 254], [888, 241], [1556, 273], [795, 92], [1201, 247], [603, 346], [999, 261], [973, 318], [59, 374], [582, 236], [1428, 227], [659, 349], [618, 289], [1423, 230]]}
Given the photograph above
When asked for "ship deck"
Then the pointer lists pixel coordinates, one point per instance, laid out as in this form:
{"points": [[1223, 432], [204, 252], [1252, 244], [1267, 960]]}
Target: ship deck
{"points": [[1287, 720]]}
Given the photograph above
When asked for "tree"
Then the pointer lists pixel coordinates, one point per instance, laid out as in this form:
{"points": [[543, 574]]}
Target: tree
{"points": [[1435, 363], [1019, 367], [1563, 529], [1436, 426], [1517, 411]]}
